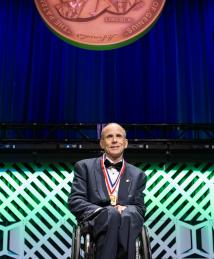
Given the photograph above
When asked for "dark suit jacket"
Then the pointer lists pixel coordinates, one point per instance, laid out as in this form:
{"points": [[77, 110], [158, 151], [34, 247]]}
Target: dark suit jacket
{"points": [[89, 191]]}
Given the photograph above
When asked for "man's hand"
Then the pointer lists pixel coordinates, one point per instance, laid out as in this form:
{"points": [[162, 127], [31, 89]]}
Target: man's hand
{"points": [[120, 208]]}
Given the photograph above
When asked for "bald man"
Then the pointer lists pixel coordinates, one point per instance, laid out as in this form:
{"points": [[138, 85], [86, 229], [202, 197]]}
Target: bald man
{"points": [[115, 186]]}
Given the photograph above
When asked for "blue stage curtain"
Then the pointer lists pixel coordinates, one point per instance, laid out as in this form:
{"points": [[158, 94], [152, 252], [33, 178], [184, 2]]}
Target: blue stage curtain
{"points": [[165, 77]]}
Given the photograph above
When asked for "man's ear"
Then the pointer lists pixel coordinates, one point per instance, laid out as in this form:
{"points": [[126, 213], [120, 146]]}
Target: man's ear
{"points": [[101, 143], [126, 143]]}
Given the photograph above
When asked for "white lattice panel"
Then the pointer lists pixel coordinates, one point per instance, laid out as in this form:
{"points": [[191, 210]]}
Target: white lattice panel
{"points": [[35, 197], [180, 211], [35, 221]]}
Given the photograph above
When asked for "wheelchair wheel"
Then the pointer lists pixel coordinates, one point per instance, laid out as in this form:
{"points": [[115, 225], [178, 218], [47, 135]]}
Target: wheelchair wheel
{"points": [[137, 245], [145, 245], [76, 242], [89, 247]]}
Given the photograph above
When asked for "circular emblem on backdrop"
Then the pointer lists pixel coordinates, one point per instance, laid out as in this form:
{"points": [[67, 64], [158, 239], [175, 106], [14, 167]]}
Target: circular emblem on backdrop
{"points": [[99, 24]]}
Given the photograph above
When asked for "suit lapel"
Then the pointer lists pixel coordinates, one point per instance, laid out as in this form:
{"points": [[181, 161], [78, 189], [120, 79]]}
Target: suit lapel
{"points": [[100, 181], [125, 186]]}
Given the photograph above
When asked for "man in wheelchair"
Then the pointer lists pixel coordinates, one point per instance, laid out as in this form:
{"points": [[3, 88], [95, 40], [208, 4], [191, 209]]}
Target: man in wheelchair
{"points": [[107, 192]]}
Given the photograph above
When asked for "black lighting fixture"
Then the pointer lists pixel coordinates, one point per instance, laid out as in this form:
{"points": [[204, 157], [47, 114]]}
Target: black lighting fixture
{"points": [[85, 137]]}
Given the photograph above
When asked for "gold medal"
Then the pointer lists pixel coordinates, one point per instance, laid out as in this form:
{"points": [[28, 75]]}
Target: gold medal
{"points": [[112, 188], [113, 199]]}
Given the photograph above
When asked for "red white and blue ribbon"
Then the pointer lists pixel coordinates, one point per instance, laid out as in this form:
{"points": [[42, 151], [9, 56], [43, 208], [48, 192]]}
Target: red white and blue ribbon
{"points": [[111, 186]]}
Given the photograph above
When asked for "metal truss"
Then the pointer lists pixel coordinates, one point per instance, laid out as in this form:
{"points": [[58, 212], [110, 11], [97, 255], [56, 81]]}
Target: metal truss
{"points": [[85, 137]]}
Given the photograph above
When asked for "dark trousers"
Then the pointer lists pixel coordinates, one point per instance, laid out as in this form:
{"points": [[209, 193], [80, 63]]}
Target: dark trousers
{"points": [[115, 234]]}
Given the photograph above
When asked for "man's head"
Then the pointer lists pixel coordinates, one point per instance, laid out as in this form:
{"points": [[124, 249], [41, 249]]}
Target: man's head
{"points": [[113, 141]]}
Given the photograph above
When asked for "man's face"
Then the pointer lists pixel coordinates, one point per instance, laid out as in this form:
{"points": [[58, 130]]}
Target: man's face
{"points": [[113, 141]]}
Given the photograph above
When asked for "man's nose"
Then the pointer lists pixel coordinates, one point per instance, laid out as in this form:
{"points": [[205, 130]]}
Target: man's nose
{"points": [[114, 139]]}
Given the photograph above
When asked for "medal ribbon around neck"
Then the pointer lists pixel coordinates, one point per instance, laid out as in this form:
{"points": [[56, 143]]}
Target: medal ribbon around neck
{"points": [[111, 187]]}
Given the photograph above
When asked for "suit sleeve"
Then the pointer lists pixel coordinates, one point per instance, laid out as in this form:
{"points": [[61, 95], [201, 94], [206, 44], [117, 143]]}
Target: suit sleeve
{"points": [[78, 199], [139, 195]]}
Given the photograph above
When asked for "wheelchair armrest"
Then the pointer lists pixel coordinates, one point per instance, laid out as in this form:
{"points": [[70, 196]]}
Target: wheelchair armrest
{"points": [[92, 215], [84, 224]]}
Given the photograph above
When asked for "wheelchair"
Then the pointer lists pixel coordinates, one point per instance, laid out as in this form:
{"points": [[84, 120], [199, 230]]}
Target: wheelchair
{"points": [[83, 245]]}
